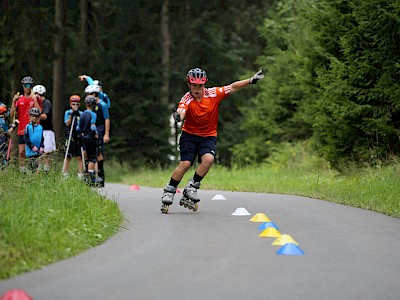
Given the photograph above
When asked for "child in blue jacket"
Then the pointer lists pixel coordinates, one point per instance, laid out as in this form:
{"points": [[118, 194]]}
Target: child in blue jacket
{"points": [[33, 137]]}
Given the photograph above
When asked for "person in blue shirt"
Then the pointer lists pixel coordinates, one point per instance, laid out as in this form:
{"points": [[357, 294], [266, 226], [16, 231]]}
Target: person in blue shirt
{"points": [[89, 136], [33, 138], [5, 132], [103, 96], [103, 127], [74, 149]]}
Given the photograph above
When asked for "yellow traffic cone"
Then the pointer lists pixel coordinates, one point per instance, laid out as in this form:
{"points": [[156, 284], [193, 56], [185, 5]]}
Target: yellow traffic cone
{"points": [[283, 240], [260, 217], [270, 232]]}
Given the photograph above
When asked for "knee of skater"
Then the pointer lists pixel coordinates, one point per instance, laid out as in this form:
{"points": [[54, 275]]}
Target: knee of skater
{"points": [[207, 159], [185, 165]]}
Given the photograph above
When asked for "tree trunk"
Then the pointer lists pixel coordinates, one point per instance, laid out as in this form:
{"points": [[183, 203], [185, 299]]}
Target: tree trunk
{"points": [[165, 56], [84, 45], [59, 70]]}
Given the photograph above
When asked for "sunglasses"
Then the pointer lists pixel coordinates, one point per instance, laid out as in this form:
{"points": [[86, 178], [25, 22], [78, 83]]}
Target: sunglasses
{"points": [[27, 85], [75, 104]]}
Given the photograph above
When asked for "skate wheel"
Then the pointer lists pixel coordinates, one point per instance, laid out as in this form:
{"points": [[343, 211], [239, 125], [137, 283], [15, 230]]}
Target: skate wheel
{"points": [[164, 209], [196, 207], [185, 205]]}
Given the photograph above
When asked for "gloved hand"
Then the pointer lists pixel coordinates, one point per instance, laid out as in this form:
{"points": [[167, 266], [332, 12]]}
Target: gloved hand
{"points": [[258, 76], [15, 124], [75, 113], [177, 117]]}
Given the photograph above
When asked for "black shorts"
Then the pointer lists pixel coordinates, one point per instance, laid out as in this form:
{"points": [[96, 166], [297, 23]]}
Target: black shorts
{"points": [[91, 150], [191, 145], [100, 143], [74, 149], [21, 140]]}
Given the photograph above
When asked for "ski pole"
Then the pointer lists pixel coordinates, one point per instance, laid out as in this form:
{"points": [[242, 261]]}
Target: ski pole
{"points": [[10, 142], [83, 161], [9, 149], [69, 141]]}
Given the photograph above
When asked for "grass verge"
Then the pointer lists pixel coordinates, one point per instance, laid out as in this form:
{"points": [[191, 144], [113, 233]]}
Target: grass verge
{"points": [[44, 218]]}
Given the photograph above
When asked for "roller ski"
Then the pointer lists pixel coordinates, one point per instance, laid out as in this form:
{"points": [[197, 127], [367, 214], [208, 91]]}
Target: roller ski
{"points": [[190, 199], [167, 198]]}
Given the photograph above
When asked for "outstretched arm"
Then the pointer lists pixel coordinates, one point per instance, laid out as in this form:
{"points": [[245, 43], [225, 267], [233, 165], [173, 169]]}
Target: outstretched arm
{"points": [[88, 79], [238, 85]]}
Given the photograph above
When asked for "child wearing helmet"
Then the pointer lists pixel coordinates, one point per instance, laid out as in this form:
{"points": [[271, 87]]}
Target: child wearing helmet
{"points": [[103, 128], [5, 132], [74, 149], [33, 137], [20, 106], [103, 96], [88, 133], [199, 110]]}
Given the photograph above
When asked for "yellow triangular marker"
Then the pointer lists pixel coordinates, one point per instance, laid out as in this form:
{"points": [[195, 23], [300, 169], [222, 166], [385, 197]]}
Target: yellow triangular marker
{"points": [[283, 240], [260, 217], [270, 232]]}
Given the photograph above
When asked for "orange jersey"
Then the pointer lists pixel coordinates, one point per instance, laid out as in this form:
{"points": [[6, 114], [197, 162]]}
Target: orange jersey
{"points": [[202, 116]]}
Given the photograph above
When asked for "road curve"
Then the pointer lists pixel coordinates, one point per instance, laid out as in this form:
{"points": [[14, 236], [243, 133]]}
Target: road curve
{"points": [[349, 253]]}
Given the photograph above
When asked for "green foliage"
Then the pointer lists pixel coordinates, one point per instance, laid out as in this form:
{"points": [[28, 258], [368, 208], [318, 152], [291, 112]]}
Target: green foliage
{"points": [[45, 218], [332, 74], [359, 112]]}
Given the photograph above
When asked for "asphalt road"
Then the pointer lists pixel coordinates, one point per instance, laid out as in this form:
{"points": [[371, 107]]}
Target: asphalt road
{"points": [[349, 253]]}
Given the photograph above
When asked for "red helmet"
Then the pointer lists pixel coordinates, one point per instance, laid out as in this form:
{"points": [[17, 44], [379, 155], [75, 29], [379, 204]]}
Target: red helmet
{"points": [[197, 76], [74, 98], [3, 109]]}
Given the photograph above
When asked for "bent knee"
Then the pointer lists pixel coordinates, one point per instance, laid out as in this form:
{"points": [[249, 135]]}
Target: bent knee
{"points": [[185, 165], [207, 159]]}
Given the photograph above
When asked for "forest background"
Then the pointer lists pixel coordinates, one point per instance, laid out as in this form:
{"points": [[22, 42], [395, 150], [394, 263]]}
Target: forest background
{"points": [[332, 71]]}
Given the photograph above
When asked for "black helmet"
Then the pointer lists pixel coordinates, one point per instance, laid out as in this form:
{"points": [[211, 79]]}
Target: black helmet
{"points": [[34, 111], [27, 79], [197, 76], [89, 99]]}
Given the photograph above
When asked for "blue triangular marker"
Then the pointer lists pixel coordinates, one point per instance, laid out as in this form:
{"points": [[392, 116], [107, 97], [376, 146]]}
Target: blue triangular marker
{"points": [[290, 249], [265, 225]]}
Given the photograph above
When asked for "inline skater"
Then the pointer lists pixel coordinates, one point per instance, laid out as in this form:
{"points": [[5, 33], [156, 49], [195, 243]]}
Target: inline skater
{"points": [[198, 108]]}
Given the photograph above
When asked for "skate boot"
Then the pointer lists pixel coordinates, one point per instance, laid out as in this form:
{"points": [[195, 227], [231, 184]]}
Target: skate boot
{"points": [[98, 182], [190, 199], [167, 198]]}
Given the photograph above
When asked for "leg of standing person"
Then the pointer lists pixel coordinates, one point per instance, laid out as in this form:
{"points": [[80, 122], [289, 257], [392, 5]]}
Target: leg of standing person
{"points": [[21, 152], [100, 160]]}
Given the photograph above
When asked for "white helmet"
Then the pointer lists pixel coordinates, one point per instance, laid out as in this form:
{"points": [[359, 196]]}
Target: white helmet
{"points": [[39, 89], [93, 88], [98, 82]]}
